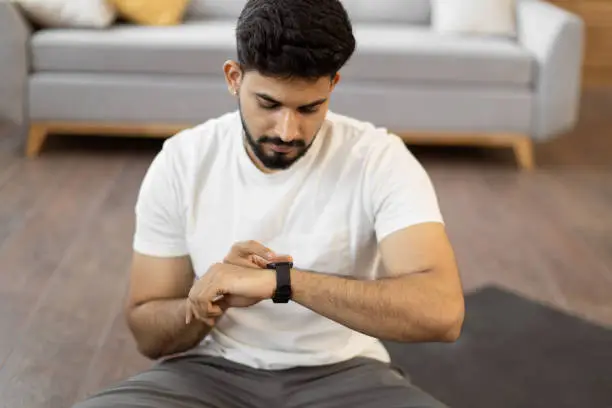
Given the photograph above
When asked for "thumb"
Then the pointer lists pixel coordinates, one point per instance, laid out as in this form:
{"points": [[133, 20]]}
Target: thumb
{"points": [[263, 263]]}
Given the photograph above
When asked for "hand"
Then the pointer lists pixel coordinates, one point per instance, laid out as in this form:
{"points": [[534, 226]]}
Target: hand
{"points": [[239, 286], [252, 254]]}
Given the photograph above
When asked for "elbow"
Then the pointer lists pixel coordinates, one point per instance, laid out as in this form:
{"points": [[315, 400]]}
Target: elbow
{"points": [[149, 351], [444, 328], [450, 330], [148, 348], [144, 345], [452, 333]]}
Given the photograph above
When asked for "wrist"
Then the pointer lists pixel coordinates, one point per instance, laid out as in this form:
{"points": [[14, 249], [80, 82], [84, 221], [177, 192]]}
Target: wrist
{"points": [[297, 283], [269, 282]]}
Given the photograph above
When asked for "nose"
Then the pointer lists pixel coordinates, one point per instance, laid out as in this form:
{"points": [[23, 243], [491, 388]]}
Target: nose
{"points": [[289, 126]]}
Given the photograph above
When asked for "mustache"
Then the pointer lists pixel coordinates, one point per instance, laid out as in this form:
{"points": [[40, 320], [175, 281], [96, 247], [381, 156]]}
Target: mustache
{"points": [[279, 142]]}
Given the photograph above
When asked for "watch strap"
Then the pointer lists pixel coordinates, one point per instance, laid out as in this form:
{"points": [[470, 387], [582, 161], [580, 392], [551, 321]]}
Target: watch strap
{"points": [[283, 291]]}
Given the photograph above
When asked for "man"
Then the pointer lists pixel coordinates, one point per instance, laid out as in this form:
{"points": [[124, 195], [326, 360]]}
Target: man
{"points": [[312, 237]]}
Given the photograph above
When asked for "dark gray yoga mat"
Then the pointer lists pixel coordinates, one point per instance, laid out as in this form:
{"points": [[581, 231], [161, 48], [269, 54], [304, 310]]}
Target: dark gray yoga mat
{"points": [[514, 353]]}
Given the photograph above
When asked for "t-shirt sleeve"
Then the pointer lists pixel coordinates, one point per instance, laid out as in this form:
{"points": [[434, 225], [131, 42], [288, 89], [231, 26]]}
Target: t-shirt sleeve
{"points": [[160, 221], [401, 192]]}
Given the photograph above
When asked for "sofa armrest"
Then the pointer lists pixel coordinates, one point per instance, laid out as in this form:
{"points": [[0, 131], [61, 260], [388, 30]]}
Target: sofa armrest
{"points": [[555, 37], [14, 36]]}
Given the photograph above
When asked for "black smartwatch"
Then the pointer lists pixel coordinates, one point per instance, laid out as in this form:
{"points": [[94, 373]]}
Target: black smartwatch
{"points": [[283, 293]]}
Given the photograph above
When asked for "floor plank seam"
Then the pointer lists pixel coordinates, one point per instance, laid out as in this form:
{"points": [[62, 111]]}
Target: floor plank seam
{"points": [[66, 256], [40, 201], [108, 326], [583, 246]]}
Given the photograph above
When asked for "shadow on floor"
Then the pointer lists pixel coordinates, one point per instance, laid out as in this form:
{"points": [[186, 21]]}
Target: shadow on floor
{"points": [[514, 353]]}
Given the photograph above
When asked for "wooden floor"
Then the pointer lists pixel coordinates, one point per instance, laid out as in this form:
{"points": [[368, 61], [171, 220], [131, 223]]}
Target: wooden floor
{"points": [[66, 221]]}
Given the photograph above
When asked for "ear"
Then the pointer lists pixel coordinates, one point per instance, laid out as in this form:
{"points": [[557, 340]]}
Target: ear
{"points": [[233, 76], [335, 81]]}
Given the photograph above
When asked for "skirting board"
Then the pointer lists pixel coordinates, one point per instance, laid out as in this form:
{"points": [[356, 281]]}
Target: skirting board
{"points": [[521, 144]]}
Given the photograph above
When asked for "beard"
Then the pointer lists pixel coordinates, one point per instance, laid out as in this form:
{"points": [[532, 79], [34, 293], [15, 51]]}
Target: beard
{"points": [[274, 160]]}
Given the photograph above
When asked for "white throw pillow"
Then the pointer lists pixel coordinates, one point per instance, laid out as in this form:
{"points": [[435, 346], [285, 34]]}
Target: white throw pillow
{"points": [[488, 17], [69, 13]]}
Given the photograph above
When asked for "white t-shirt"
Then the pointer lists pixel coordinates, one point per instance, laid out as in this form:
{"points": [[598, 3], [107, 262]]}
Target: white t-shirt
{"points": [[356, 185]]}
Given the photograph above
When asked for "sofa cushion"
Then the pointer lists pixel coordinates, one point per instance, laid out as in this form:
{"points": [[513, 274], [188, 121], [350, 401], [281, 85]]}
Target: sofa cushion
{"points": [[411, 53], [386, 52], [389, 11], [215, 8], [398, 11], [195, 48]]}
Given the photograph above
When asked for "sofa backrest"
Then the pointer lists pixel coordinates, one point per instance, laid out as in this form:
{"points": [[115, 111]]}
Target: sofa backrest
{"points": [[389, 11], [360, 11], [215, 8]]}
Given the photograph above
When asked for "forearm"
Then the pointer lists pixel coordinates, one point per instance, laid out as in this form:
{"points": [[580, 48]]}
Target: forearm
{"points": [[410, 308], [160, 330]]}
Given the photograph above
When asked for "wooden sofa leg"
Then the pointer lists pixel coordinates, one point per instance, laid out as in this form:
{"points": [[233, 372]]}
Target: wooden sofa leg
{"points": [[36, 138], [523, 150]]}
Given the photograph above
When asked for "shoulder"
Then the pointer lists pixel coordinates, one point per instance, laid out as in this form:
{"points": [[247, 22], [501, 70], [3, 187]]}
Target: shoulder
{"points": [[382, 157], [364, 141], [210, 134], [185, 155], [191, 147]]}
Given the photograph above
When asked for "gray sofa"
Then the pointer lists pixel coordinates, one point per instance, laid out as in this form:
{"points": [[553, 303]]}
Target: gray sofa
{"points": [[427, 87]]}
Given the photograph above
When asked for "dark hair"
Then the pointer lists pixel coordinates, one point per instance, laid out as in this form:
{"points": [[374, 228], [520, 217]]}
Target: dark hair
{"points": [[294, 38]]}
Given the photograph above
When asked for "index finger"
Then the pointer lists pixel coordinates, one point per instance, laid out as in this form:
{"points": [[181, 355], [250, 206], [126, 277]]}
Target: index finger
{"points": [[247, 248], [281, 258]]}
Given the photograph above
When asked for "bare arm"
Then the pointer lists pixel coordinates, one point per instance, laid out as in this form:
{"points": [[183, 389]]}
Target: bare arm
{"points": [[421, 301], [156, 306]]}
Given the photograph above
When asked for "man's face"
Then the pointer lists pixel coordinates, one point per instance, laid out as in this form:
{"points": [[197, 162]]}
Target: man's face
{"points": [[280, 117]]}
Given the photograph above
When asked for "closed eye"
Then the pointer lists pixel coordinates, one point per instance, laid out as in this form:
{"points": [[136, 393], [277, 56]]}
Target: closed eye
{"points": [[268, 103], [268, 106], [308, 110]]}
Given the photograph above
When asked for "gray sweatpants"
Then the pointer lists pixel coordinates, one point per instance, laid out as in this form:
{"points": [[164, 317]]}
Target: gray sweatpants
{"points": [[201, 381]]}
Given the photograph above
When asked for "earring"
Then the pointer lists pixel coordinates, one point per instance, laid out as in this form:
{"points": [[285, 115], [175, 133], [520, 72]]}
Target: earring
{"points": [[233, 91]]}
